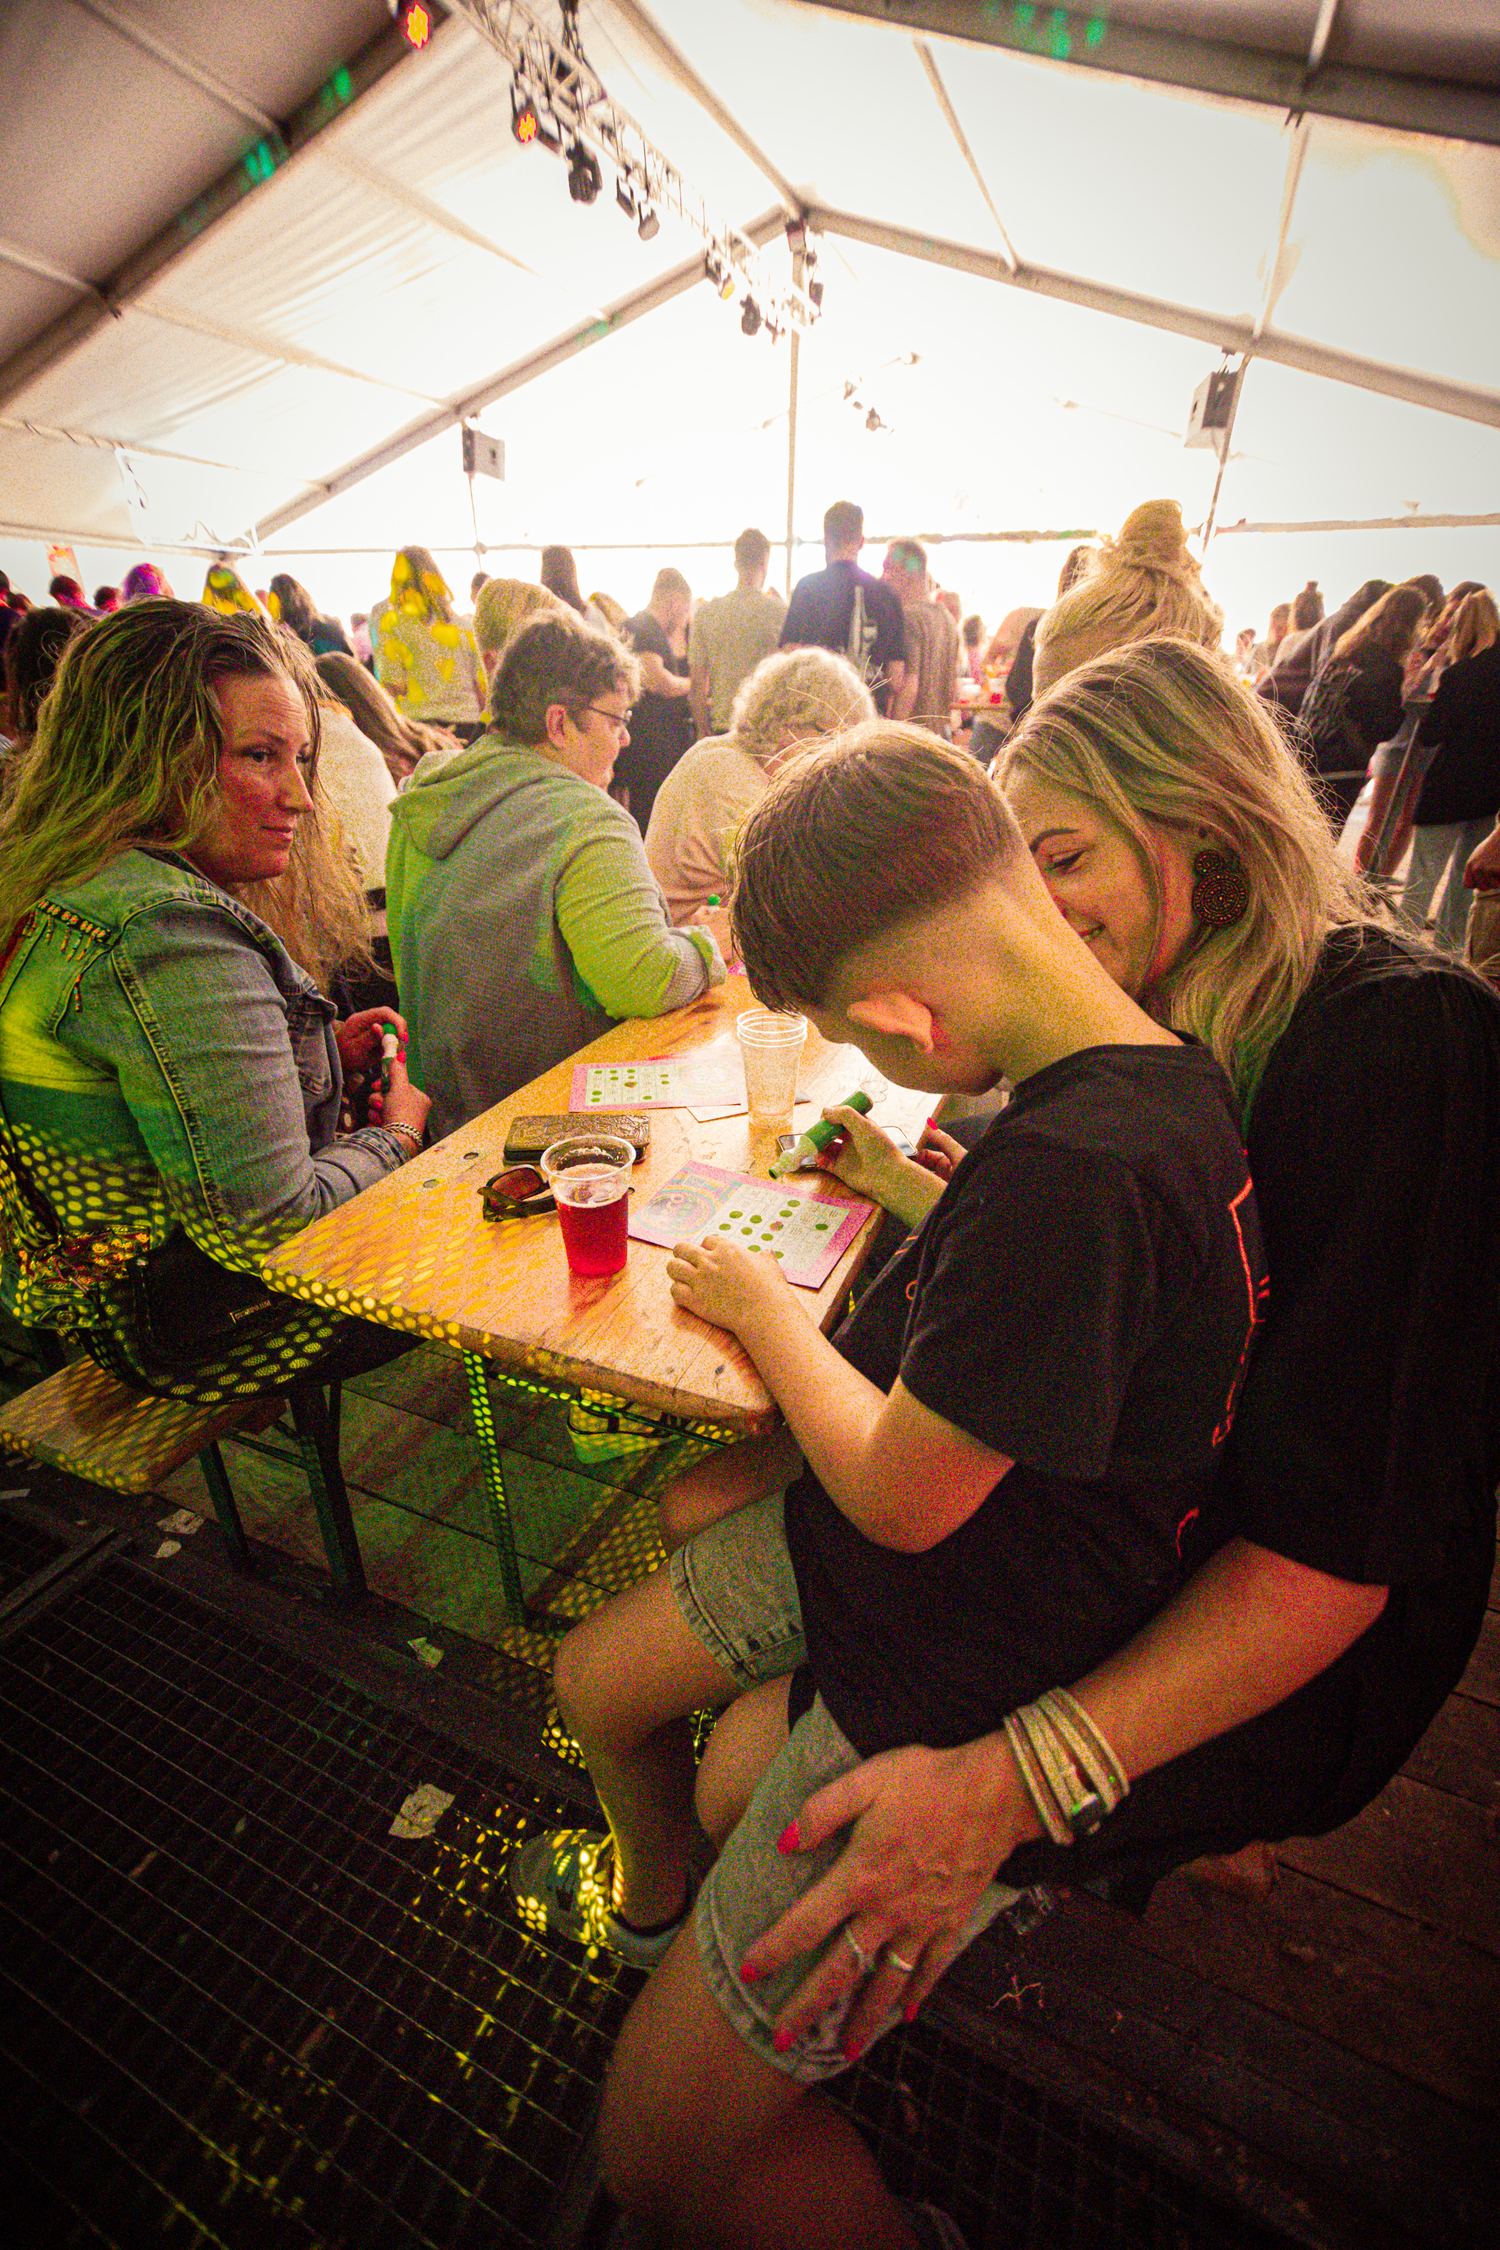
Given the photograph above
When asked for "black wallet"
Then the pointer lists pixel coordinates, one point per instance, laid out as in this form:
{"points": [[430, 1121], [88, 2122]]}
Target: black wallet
{"points": [[526, 1137]]}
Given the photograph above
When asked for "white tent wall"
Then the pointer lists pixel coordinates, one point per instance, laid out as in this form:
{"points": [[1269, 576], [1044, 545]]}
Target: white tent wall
{"points": [[412, 250]]}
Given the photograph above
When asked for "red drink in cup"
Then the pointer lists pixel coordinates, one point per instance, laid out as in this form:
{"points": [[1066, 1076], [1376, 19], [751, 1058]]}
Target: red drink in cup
{"points": [[590, 1176]]}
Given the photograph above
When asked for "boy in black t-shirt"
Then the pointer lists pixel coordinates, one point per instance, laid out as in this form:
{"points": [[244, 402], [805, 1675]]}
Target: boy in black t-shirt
{"points": [[998, 1452]]}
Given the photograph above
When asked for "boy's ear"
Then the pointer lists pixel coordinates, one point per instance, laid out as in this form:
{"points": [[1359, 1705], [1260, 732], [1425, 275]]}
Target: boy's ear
{"points": [[898, 1015]]}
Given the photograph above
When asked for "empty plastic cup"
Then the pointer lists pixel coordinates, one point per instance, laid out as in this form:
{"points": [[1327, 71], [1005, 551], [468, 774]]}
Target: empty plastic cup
{"points": [[589, 1173], [772, 1047]]}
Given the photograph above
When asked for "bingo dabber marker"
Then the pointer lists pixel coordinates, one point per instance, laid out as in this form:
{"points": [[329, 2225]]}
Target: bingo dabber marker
{"points": [[818, 1136], [390, 1048]]}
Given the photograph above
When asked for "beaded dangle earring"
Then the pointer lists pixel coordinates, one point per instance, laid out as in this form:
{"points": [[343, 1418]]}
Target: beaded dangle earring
{"points": [[1221, 889]]}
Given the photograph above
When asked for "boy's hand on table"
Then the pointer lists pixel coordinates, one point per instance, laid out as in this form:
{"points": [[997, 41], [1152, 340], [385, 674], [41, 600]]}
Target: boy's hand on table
{"points": [[928, 1830], [869, 1161], [720, 1282]]}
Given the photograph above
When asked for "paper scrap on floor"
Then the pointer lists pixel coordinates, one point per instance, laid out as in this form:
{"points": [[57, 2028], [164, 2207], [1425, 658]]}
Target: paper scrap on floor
{"points": [[805, 1225]]}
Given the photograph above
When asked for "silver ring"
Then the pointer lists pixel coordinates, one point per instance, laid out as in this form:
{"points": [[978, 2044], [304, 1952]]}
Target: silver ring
{"points": [[866, 1965], [909, 1967]]}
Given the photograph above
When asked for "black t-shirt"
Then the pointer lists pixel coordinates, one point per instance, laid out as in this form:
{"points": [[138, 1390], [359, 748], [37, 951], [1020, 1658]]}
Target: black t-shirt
{"points": [[661, 726], [1081, 1300], [1367, 1442], [820, 614]]}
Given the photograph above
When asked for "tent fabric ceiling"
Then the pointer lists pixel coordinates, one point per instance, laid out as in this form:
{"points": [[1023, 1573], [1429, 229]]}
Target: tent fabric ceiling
{"points": [[410, 249]]}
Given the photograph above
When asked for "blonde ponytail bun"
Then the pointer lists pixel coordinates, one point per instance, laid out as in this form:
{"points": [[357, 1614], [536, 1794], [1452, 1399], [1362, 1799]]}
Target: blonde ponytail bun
{"points": [[1152, 533], [1142, 584]]}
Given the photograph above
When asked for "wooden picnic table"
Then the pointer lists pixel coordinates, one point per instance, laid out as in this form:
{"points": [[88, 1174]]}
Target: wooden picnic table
{"points": [[415, 1252]]}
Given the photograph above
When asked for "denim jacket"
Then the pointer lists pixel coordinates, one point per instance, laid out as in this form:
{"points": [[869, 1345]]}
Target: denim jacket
{"points": [[164, 1062]]}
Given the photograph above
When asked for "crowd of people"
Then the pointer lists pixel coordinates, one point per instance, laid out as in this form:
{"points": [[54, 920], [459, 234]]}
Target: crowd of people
{"points": [[1142, 1511]]}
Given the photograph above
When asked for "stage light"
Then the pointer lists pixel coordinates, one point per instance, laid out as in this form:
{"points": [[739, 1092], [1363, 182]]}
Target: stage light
{"points": [[625, 199], [584, 176], [815, 294], [749, 316], [649, 227], [525, 123], [415, 22]]}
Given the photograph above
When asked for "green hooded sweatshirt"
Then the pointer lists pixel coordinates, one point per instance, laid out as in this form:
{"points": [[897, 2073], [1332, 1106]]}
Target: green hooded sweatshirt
{"points": [[524, 920]]}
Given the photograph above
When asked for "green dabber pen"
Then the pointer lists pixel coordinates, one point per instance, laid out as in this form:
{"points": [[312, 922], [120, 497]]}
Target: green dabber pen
{"points": [[817, 1137]]}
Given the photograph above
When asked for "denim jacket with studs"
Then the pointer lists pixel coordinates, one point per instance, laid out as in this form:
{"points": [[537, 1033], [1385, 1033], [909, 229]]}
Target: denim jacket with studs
{"points": [[163, 1062]]}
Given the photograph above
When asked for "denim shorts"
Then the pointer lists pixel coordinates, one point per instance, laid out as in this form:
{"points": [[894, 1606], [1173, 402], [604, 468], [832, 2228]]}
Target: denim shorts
{"points": [[738, 1595], [735, 1587]]}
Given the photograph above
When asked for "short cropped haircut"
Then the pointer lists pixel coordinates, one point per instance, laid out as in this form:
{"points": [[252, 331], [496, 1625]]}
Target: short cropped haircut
{"points": [[882, 824], [751, 549], [910, 555], [844, 521], [555, 659]]}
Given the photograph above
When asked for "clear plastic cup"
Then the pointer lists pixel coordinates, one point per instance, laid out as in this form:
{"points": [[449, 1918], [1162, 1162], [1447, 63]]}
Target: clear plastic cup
{"points": [[771, 1046], [589, 1173]]}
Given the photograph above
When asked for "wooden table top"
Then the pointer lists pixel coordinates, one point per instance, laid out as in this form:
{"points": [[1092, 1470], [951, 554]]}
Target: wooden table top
{"points": [[416, 1253]]}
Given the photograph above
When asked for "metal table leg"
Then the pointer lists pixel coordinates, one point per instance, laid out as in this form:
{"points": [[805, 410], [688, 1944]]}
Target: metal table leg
{"points": [[691, 1441]]}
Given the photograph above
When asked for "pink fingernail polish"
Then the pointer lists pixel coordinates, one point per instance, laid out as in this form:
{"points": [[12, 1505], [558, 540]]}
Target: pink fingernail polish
{"points": [[781, 2041], [788, 1840], [910, 2010], [749, 1975], [853, 2049]]}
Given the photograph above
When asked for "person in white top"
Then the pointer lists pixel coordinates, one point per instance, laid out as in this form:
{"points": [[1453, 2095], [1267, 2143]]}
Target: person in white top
{"points": [[796, 697], [732, 634]]}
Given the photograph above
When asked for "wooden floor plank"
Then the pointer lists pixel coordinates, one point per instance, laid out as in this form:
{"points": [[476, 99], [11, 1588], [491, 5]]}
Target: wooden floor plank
{"points": [[1482, 1679], [1372, 2142], [1460, 1752], [1397, 1993], [1419, 1852]]}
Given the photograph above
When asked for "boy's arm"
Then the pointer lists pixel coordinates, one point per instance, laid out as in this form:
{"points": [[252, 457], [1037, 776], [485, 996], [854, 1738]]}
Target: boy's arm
{"points": [[900, 1473]]}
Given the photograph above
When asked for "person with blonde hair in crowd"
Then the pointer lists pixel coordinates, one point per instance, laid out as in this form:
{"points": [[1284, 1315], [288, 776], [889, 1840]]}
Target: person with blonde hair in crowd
{"points": [[797, 696], [402, 742], [503, 607], [1136, 586], [425, 659]]}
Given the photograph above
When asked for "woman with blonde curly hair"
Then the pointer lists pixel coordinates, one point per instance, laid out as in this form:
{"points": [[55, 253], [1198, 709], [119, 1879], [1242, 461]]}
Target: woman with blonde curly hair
{"points": [[170, 1071], [1133, 587], [1335, 1581], [795, 697]]}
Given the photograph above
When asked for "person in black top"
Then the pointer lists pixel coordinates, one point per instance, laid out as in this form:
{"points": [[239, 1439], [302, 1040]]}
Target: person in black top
{"points": [[1355, 700], [845, 609], [1002, 1449], [1340, 1573], [1461, 792], [661, 723]]}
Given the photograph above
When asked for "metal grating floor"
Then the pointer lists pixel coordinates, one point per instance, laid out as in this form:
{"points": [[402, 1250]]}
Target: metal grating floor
{"points": [[242, 2013]]}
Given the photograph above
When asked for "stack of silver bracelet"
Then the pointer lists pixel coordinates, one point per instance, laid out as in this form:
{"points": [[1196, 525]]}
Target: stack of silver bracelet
{"points": [[1071, 1773]]}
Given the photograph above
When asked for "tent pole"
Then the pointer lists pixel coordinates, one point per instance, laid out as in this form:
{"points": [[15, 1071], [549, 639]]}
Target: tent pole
{"points": [[798, 268]]}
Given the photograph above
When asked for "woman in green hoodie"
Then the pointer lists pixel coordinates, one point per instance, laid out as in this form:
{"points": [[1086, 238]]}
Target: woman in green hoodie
{"points": [[524, 919]]}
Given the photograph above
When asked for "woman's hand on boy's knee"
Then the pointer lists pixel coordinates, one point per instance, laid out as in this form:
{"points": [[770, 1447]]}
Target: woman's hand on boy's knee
{"points": [[930, 1829], [729, 1286]]}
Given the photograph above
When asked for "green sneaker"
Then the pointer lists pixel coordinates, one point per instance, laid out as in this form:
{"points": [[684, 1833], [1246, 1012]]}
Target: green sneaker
{"points": [[563, 1886]]}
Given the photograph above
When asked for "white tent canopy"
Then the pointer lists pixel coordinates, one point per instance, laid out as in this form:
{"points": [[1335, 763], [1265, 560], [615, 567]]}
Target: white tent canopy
{"points": [[259, 263]]}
